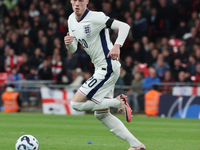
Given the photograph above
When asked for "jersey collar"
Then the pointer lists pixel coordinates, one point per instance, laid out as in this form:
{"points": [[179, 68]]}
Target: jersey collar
{"points": [[85, 13]]}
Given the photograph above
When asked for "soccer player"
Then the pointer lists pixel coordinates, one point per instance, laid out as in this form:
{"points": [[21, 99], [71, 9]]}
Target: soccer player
{"points": [[90, 29]]}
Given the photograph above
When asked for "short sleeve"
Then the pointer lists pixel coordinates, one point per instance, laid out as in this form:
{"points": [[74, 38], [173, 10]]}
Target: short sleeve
{"points": [[100, 20]]}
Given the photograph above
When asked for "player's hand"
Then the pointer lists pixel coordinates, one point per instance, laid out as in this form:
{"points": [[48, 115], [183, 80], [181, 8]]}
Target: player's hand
{"points": [[68, 39], [115, 52]]}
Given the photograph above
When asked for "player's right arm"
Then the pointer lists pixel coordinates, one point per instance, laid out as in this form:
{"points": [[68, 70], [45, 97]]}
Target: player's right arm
{"points": [[70, 41]]}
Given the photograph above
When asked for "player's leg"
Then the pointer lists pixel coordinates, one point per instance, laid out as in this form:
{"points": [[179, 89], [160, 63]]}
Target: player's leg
{"points": [[81, 103], [117, 127]]}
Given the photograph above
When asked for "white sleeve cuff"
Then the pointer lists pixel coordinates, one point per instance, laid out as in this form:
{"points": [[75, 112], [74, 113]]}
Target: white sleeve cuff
{"points": [[72, 47]]}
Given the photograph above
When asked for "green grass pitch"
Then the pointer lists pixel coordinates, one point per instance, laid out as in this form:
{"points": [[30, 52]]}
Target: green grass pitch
{"points": [[67, 132]]}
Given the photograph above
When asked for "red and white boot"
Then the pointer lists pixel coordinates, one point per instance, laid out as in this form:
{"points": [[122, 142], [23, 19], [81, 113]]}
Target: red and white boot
{"points": [[124, 107]]}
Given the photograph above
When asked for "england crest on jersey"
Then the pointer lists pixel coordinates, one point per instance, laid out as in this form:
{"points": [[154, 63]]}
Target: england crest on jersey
{"points": [[87, 30]]}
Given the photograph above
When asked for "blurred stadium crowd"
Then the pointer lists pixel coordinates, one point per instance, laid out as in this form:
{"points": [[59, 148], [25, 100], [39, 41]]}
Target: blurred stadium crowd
{"points": [[163, 44]]}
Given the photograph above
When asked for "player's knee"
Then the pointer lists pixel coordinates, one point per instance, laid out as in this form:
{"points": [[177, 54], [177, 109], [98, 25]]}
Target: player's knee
{"points": [[76, 105]]}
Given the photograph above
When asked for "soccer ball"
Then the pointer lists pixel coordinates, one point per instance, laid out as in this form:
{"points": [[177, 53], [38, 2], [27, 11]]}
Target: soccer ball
{"points": [[27, 142]]}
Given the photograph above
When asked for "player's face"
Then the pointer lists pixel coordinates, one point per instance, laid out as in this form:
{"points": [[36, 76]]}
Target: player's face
{"points": [[79, 6]]}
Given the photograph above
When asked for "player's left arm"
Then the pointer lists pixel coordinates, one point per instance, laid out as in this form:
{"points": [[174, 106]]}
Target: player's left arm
{"points": [[123, 30]]}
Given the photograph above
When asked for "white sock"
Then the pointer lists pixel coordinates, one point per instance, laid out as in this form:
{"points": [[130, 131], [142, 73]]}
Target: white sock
{"points": [[117, 127], [107, 103], [90, 105]]}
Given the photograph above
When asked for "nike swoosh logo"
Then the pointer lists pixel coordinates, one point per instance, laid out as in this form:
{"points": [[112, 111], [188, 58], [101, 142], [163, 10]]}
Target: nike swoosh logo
{"points": [[73, 30], [83, 87]]}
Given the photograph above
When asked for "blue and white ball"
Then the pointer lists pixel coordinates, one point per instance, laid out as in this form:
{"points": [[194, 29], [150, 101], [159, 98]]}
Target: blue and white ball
{"points": [[27, 142]]}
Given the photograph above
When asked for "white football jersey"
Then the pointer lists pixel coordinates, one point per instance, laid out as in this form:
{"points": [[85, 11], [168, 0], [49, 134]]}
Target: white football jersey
{"points": [[91, 32]]}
